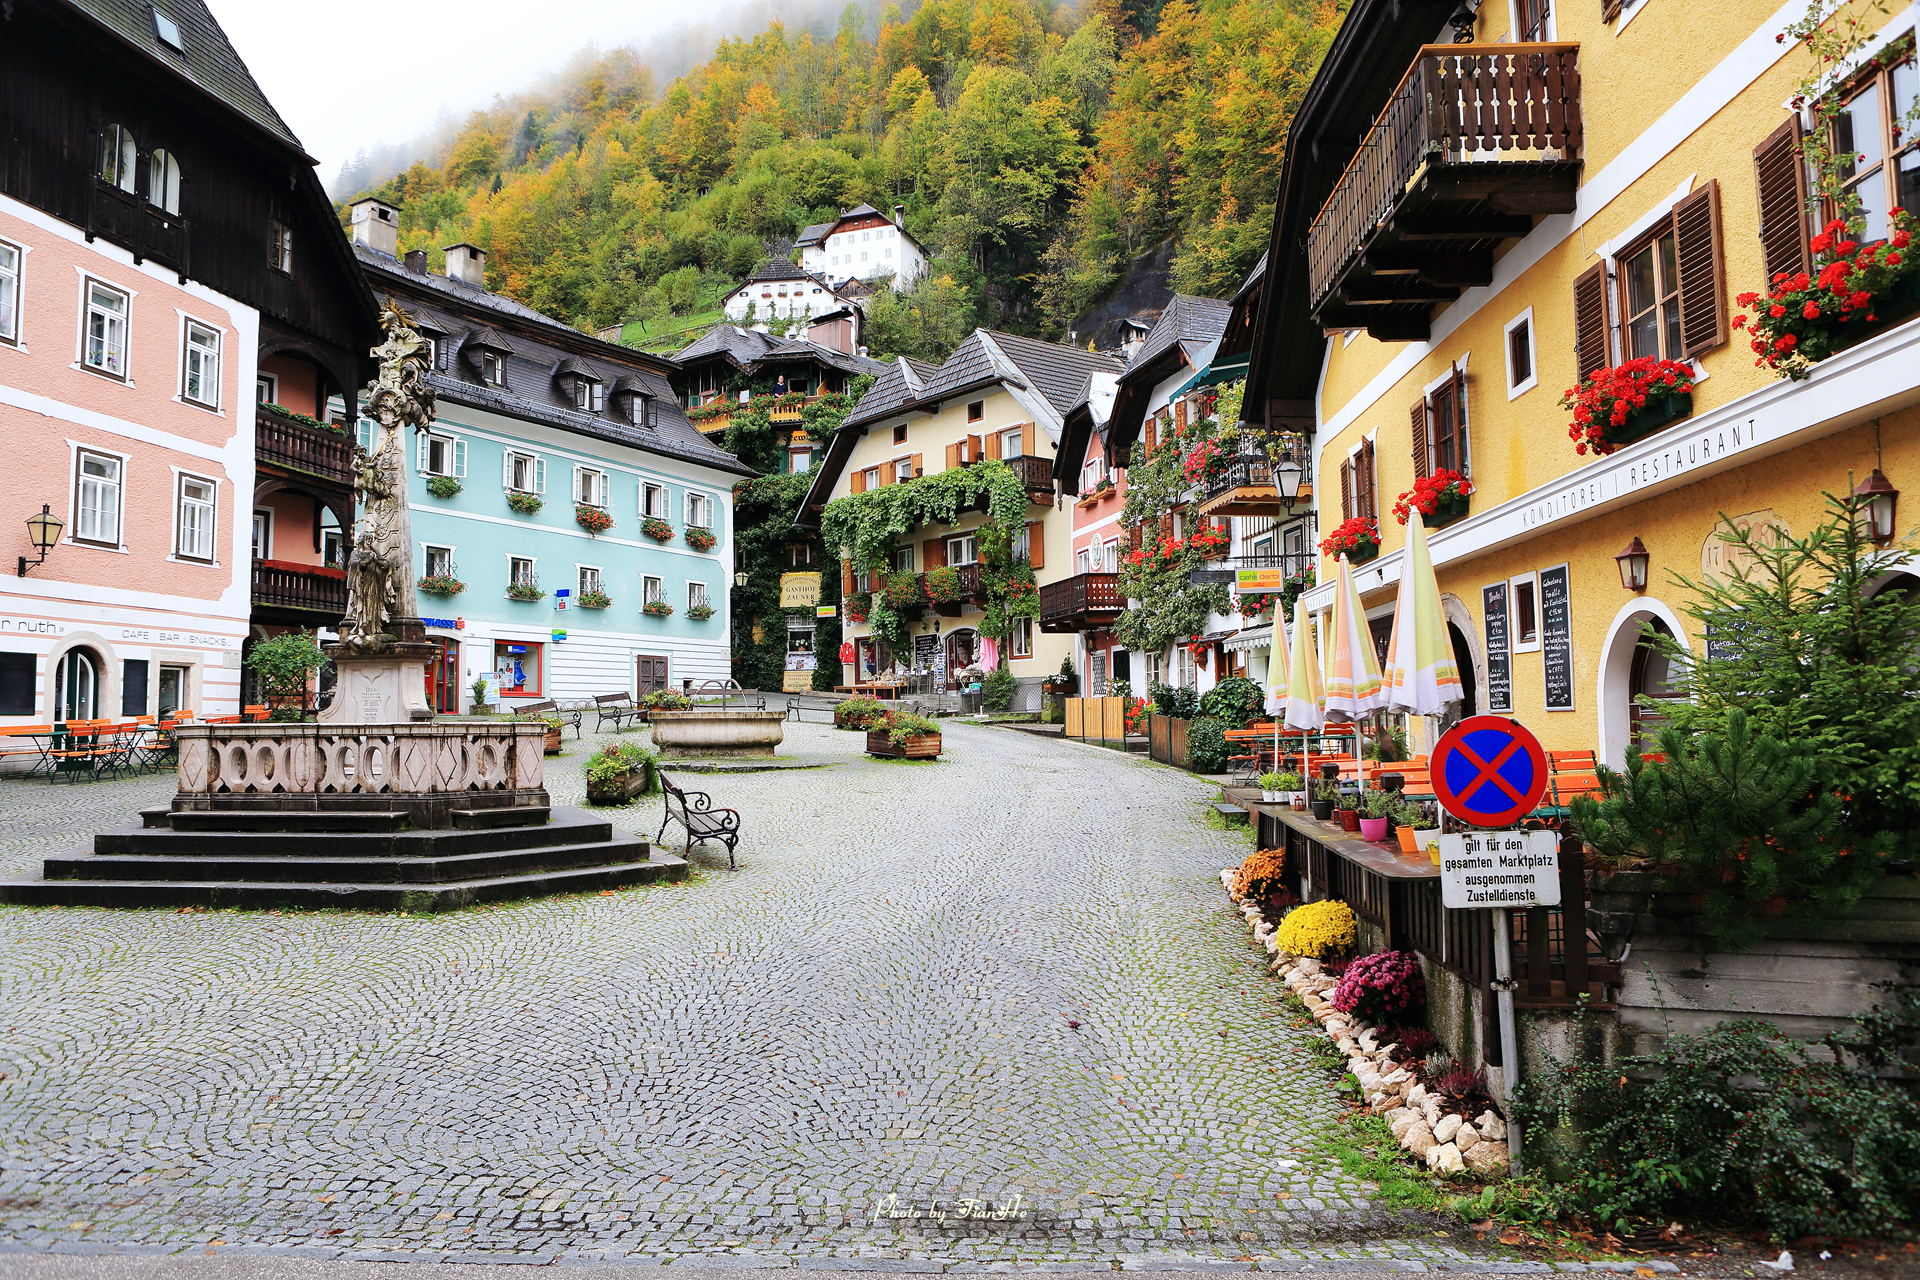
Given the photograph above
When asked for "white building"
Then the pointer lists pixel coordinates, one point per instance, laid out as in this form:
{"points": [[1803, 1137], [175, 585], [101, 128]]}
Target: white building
{"points": [[864, 244], [786, 298]]}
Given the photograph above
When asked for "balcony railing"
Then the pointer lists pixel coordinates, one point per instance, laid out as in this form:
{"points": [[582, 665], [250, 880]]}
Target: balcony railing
{"points": [[1080, 602], [1246, 471], [142, 229], [327, 455], [1419, 209], [283, 584], [1035, 473]]}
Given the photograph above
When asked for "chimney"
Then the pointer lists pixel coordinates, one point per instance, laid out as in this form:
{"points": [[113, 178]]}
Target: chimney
{"points": [[416, 261], [900, 216], [376, 225], [467, 263]]}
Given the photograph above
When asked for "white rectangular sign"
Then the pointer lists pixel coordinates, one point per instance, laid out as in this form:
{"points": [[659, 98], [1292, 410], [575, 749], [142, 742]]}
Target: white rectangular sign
{"points": [[1500, 869]]}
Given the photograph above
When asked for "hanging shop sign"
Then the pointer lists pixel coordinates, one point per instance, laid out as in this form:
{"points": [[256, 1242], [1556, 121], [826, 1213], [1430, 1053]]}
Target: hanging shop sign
{"points": [[1260, 579], [799, 590]]}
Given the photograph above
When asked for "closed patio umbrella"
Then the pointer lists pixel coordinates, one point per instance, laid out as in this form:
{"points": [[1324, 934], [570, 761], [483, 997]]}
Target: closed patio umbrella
{"points": [[1421, 675], [1306, 700], [1353, 672]]}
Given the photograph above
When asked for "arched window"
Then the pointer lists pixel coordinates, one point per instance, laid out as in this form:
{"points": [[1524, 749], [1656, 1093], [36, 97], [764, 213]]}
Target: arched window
{"points": [[163, 181], [76, 684], [1652, 677], [117, 158]]}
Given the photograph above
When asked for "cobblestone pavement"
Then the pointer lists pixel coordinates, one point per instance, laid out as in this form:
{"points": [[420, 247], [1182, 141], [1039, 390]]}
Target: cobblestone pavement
{"points": [[793, 1061]]}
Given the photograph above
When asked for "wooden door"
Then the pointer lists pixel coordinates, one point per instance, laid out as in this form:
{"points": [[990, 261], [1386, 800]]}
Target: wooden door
{"points": [[652, 674], [443, 676]]}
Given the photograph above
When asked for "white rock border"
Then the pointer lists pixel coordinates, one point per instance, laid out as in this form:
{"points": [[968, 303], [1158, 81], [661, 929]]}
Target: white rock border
{"points": [[1449, 1143]]}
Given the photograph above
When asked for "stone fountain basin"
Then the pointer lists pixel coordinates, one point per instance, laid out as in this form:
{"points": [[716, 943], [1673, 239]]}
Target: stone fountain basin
{"points": [[718, 732]]}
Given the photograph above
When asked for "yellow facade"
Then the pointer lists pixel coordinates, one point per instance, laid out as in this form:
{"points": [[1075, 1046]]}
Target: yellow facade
{"points": [[1673, 97]]}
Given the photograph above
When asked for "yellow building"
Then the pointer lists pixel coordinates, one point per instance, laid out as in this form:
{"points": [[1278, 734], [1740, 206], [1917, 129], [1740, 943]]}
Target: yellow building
{"points": [[997, 397], [1464, 230]]}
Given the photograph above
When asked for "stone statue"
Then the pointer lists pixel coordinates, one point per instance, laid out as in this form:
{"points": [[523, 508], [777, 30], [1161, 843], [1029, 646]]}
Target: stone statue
{"points": [[380, 582]]}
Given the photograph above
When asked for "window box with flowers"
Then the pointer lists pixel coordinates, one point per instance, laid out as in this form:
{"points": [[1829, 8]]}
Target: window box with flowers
{"points": [[699, 539], [525, 592], [594, 520], [903, 590], [594, 600], [1617, 406], [1440, 498], [1211, 542], [1358, 539], [440, 584], [443, 487], [700, 612], [1858, 291], [1204, 463], [943, 585], [657, 529], [859, 606], [657, 609], [527, 504]]}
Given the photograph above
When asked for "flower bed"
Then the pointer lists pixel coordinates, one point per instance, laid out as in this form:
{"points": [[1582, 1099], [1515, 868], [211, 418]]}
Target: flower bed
{"points": [[1440, 498], [1804, 319], [700, 539], [657, 529], [1358, 539], [440, 584], [594, 520], [618, 772], [1617, 406], [903, 736], [858, 713]]}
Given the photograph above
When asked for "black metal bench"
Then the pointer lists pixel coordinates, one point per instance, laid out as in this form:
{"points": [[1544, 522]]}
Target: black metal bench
{"points": [[550, 710], [617, 707], [694, 810]]}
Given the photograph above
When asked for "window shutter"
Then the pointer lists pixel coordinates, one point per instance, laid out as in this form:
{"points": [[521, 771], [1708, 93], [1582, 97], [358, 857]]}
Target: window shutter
{"points": [[993, 445], [953, 456], [1590, 321], [1153, 434], [933, 552], [605, 481], [1346, 489], [859, 482], [1421, 467], [1610, 9], [1367, 485], [539, 475], [422, 454], [1179, 416], [974, 449], [1166, 526], [1027, 441], [1703, 294], [918, 468], [1783, 200], [506, 469], [886, 473], [846, 578], [1037, 543], [1462, 458], [363, 434], [460, 459]]}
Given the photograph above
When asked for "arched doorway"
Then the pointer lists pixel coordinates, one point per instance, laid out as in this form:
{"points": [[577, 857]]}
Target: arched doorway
{"points": [[1624, 673], [76, 686], [1650, 676], [1463, 658]]}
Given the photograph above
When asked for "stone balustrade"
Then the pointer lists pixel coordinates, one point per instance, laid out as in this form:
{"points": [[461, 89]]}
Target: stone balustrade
{"points": [[316, 760]]}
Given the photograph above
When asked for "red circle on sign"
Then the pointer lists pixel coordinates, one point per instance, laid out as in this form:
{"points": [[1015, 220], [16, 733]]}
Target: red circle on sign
{"points": [[1489, 771]]}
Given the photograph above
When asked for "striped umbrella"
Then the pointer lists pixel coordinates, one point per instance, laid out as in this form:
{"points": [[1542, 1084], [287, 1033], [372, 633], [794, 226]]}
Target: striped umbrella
{"points": [[1306, 700], [1277, 668], [1421, 675], [1353, 672]]}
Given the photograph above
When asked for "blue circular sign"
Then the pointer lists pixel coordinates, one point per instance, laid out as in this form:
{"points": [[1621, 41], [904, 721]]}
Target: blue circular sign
{"points": [[1489, 771]]}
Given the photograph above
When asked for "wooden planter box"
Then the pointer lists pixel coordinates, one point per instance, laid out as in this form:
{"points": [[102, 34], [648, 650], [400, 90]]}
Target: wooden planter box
{"points": [[1896, 306], [919, 746], [553, 740], [1660, 411], [622, 789]]}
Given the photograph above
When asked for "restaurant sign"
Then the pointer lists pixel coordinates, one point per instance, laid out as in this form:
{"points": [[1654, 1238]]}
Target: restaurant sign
{"points": [[799, 590], [1260, 579]]}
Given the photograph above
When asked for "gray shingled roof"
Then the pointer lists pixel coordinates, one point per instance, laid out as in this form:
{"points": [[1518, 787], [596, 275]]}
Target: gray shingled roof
{"points": [[778, 269], [749, 348], [1185, 319], [814, 234], [456, 292], [1056, 371], [902, 383], [209, 61]]}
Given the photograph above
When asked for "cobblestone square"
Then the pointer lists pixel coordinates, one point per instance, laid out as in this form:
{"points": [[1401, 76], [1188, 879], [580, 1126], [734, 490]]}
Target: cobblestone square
{"points": [[820, 1054]]}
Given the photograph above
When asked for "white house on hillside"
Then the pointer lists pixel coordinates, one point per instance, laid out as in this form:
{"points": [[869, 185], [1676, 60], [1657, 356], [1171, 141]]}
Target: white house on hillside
{"points": [[786, 298], [864, 244]]}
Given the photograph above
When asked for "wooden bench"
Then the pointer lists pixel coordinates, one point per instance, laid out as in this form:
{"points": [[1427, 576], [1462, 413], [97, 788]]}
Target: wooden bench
{"points": [[617, 707], [694, 810], [550, 710]]}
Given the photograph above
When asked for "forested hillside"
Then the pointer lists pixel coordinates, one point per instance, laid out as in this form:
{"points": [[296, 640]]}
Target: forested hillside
{"points": [[1037, 147]]}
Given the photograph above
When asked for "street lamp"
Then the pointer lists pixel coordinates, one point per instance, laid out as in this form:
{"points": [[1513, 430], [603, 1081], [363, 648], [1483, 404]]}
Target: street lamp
{"points": [[44, 532], [1874, 502], [1633, 566], [740, 579], [1286, 478]]}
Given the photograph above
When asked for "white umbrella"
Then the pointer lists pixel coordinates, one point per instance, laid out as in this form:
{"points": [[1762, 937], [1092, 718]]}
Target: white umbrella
{"points": [[1421, 674]]}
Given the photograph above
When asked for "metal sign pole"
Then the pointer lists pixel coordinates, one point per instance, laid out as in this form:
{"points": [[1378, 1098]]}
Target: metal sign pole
{"points": [[1509, 1038]]}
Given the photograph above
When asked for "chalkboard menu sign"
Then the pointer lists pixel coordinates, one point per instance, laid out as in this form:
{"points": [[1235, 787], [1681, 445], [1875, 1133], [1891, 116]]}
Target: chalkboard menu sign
{"points": [[1725, 641], [1556, 646], [1493, 604], [927, 655]]}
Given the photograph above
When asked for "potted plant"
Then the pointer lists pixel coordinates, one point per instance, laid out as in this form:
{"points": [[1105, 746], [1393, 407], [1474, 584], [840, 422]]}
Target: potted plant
{"points": [[443, 486], [664, 700], [1270, 792], [1617, 406], [1358, 539], [594, 600], [1376, 810], [1324, 797], [858, 712], [594, 520], [479, 690], [525, 591], [900, 735], [619, 772], [903, 590], [657, 529], [701, 539], [1348, 810], [553, 724], [1290, 789], [1440, 498], [527, 504], [943, 585], [1407, 820], [656, 609], [700, 612]]}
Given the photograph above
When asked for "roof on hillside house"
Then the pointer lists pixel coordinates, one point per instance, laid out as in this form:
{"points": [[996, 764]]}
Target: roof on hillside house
{"points": [[457, 292], [813, 235], [207, 58], [779, 269], [896, 389], [747, 349]]}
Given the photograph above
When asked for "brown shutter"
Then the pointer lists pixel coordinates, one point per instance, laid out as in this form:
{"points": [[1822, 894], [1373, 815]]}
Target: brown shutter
{"points": [[1783, 200], [953, 456], [886, 473], [860, 481], [1166, 526], [993, 445], [1368, 482], [1422, 468], [1028, 445], [934, 553], [1703, 272], [1462, 457], [1037, 543], [1610, 9], [1346, 489], [1590, 321], [846, 578], [975, 450], [1153, 434], [918, 468], [1180, 415]]}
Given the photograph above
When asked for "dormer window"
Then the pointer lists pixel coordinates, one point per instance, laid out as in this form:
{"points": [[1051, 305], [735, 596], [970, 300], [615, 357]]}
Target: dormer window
{"points": [[493, 369], [589, 394]]}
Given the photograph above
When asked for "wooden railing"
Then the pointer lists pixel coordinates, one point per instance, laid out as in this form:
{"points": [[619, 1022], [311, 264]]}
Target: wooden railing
{"points": [[1081, 594], [326, 454], [1457, 102], [140, 228], [1035, 473], [280, 584]]}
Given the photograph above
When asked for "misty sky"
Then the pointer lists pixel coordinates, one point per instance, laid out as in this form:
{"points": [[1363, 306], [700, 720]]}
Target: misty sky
{"points": [[341, 89]]}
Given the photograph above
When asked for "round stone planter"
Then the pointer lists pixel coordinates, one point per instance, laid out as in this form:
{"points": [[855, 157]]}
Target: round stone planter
{"points": [[718, 733], [918, 746]]}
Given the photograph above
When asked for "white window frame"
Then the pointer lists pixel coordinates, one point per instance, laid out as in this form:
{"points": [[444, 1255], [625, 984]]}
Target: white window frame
{"points": [[873, 479], [648, 492], [580, 572], [696, 595], [1110, 556], [532, 574], [456, 458], [704, 505], [1019, 437], [1083, 560], [13, 288], [119, 540], [536, 470], [426, 558], [799, 461], [163, 181], [1514, 643], [972, 544], [591, 487], [181, 479], [493, 369], [1022, 637], [262, 546], [1517, 389], [188, 328], [87, 285], [903, 560], [902, 470], [280, 245], [652, 589], [1021, 545], [269, 383]]}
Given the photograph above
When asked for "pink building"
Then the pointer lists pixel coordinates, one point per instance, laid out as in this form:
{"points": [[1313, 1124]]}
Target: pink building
{"points": [[163, 243]]}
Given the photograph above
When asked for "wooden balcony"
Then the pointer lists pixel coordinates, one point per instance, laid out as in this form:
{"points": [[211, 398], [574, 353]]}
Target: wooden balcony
{"points": [[140, 228], [324, 455], [1246, 488], [1477, 141], [972, 596], [1084, 602], [310, 588], [1036, 474]]}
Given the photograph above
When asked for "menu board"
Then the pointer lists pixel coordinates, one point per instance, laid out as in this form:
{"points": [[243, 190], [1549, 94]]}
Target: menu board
{"points": [[1556, 638], [927, 655], [1493, 604]]}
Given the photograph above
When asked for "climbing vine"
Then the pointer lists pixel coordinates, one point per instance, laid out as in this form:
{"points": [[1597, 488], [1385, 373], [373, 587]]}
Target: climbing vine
{"points": [[1155, 574]]}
